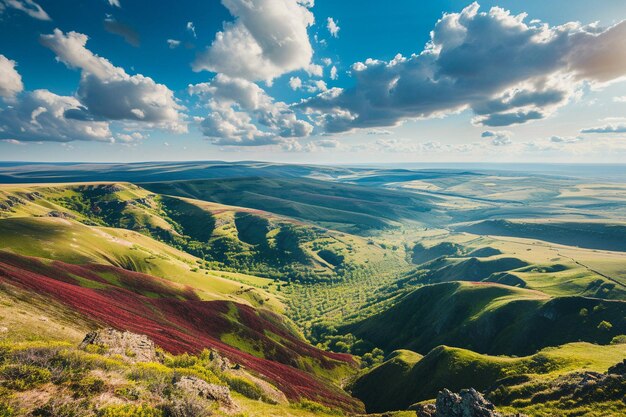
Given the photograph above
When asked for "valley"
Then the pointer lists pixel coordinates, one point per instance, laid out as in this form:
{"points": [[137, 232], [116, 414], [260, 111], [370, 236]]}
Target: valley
{"points": [[334, 290]]}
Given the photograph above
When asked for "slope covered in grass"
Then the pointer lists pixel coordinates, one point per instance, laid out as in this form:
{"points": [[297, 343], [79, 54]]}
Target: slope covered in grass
{"points": [[180, 322], [232, 238], [72, 242], [593, 235], [407, 378], [338, 206], [490, 318]]}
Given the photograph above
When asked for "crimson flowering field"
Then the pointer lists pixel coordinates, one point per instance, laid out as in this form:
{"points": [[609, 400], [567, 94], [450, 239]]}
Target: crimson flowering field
{"points": [[182, 325]]}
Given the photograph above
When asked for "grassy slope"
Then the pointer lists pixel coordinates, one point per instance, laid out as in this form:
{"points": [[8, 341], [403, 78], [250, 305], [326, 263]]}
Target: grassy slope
{"points": [[334, 205], [259, 241], [408, 378], [489, 318], [72, 242], [226, 237], [179, 322], [592, 235], [554, 269]]}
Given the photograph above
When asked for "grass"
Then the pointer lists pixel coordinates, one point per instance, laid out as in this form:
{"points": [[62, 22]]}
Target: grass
{"points": [[489, 318], [406, 378]]}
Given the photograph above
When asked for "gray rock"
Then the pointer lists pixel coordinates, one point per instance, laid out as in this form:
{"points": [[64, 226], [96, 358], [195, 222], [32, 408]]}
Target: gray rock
{"points": [[132, 347], [424, 410], [196, 386], [618, 369], [468, 403]]}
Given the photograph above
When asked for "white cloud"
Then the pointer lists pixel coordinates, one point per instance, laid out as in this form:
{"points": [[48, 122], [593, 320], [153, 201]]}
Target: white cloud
{"points": [[315, 70], [333, 73], [41, 116], [241, 113], [333, 27], [327, 61], [610, 128], [295, 83], [115, 3], [505, 70], [10, 79], [173, 43], [498, 138], [621, 99], [29, 7], [192, 29], [268, 38], [107, 92], [327, 143], [379, 132]]}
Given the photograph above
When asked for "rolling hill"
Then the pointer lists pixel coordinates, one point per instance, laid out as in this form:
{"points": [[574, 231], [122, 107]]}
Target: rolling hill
{"points": [[406, 378], [345, 207], [490, 318]]}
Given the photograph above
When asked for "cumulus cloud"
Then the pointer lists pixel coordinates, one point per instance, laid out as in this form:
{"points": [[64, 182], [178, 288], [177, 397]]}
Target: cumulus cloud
{"points": [[610, 128], [498, 138], [507, 71], [333, 73], [10, 79], [40, 116], [29, 7], [295, 83], [107, 92], [242, 114], [333, 27], [128, 33], [192, 29], [267, 39]]}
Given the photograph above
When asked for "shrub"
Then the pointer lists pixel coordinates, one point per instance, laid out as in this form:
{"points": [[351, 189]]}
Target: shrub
{"points": [[61, 407], [186, 406], [619, 339], [88, 386], [6, 410], [130, 410], [316, 407], [181, 361], [605, 325], [24, 377], [244, 387], [129, 392]]}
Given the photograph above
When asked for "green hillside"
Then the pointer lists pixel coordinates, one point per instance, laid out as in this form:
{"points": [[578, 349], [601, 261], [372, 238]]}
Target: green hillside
{"points": [[490, 318], [406, 378], [345, 207], [229, 238], [73, 242]]}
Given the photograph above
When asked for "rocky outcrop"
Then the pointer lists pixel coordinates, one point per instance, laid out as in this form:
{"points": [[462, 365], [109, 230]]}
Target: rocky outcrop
{"points": [[467, 403], [130, 346], [212, 392], [618, 369]]}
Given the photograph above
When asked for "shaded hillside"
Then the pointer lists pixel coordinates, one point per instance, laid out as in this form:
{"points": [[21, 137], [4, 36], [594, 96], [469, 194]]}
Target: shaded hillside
{"points": [[179, 322], [406, 378], [224, 237], [490, 318], [590, 235], [338, 206]]}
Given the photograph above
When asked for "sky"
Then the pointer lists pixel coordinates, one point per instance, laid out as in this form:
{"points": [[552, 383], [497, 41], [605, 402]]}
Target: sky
{"points": [[307, 81]]}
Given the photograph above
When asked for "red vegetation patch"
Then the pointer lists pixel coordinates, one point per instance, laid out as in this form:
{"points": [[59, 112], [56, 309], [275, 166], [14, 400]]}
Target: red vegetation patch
{"points": [[182, 325]]}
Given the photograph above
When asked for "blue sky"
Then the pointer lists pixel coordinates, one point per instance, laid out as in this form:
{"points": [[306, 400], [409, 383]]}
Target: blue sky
{"points": [[100, 80]]}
